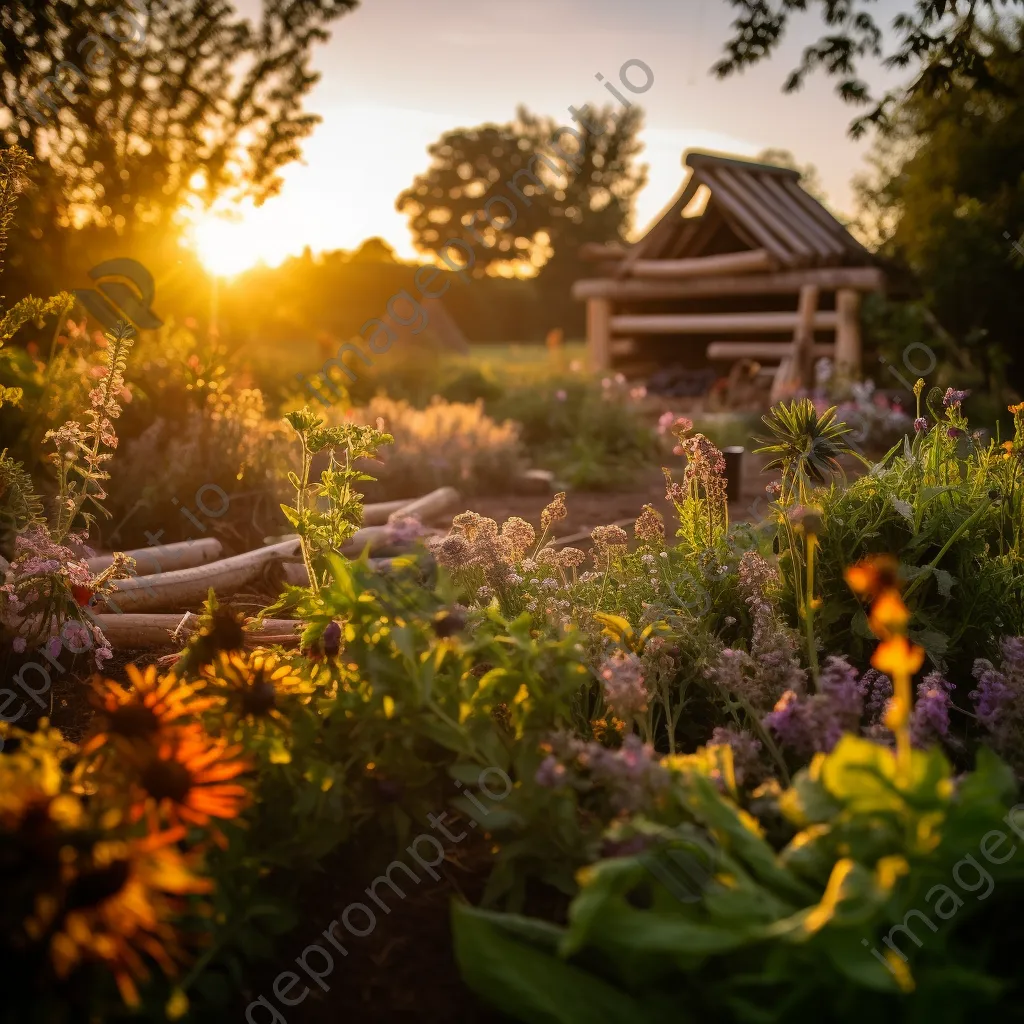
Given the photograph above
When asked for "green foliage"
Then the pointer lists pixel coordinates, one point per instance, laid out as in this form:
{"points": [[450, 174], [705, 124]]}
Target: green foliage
{"points": [[20, 506], [776, 934], [946, 200], [187, 140], [935, 38], [590, 199], [327, 513], [806, 447], [950, 506], [592, 433]]}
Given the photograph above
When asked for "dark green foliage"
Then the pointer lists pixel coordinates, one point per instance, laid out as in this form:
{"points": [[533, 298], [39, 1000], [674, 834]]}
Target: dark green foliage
{"points": [[154, 112], [781, 935], [936, 40]]}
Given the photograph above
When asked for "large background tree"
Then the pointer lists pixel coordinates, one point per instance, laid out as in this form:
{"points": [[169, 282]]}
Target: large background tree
{"points": [[937, 40], [947, 188], [175, 103], [586, 190]]}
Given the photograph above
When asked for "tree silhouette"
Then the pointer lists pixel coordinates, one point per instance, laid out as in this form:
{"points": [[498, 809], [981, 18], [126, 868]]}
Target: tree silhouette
{"points": [[946, 199], [526, 194], [136, 111], [936, 38]]}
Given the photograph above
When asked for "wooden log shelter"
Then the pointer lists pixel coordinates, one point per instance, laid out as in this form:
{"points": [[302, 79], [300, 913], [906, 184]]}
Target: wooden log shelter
{"points": [[762, 272]]}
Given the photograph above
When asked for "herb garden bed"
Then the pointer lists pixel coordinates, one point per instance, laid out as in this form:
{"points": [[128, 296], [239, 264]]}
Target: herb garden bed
{"points": [[758, 770]]}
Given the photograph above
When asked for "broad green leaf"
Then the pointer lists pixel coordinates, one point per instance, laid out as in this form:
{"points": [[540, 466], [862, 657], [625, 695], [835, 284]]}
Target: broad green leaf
{"points": [[526, 981]]}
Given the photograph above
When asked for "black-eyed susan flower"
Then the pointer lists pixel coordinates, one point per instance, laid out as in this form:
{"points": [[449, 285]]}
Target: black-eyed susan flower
{"points": [[254, 683], [185, 779], [154, 705], [118, 903]]}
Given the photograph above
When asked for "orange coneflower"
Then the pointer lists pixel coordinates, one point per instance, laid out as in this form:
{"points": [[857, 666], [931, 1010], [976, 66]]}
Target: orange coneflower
{"points": [[254, 683], [184, 779], [119, 899], [156, 704]]}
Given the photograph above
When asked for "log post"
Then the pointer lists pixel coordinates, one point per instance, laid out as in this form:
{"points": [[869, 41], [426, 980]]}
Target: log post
{"points": [[803, 337], [848, 349], [599, 335]]}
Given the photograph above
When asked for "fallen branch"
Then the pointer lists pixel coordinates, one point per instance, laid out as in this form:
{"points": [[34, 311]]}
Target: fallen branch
{"points": [[430, 505], [161, 558], [143, 631], [378, 513], [188, 587]]}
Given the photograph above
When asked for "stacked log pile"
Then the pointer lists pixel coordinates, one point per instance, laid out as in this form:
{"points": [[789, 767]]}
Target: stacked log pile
{"points": [[146, 610]]}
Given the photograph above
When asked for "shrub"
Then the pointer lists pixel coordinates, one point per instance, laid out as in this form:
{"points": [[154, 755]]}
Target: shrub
{"points": [[447, 443]]}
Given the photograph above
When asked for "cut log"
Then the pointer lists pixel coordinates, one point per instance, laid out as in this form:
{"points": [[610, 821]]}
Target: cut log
{"points": [[430, 505], [377, 514], [157, 629], [144, 631], [714, 323], [783, 282], [186, 588], [751, 262], [762, 351], [165, 557]]}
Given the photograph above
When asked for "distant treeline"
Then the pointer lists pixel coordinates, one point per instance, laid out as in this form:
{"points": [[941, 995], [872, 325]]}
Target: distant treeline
{"points": [[336, 293]]}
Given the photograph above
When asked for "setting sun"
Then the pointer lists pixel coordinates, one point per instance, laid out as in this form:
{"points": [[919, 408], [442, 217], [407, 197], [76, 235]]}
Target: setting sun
{"points": [[225, 247]]}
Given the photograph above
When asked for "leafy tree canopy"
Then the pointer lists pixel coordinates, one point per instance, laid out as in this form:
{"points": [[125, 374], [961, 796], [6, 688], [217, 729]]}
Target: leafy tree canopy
{"points": [[135, 110], [938, 39], [523, 193], [946, 198]]}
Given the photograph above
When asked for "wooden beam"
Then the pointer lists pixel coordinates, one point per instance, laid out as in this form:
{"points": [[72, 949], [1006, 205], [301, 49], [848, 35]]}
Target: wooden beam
{"points": [[595, 252], [712, 323], [803, 335], [815, 209], [775, 351], [751, 262], [848, 353], [746, 214], [660, 232], [785, 282], [599, 334], [700, 160], [788, 204], [753, 192]]}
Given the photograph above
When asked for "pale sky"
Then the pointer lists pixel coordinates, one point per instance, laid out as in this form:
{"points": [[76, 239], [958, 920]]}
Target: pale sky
{"points": [[398, 73]]}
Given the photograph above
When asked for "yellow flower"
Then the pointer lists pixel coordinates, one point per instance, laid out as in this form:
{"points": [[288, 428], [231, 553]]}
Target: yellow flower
{"points": [[898, 656]]}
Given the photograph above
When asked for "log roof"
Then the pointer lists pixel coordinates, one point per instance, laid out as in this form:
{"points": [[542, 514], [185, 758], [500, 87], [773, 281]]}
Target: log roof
{"points": [[751, 205]]}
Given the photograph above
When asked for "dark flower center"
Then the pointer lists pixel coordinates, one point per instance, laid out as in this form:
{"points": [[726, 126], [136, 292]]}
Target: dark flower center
{"points": [[134, 721], [93, 887], [259, 698], [226, 633], [167, 780]]}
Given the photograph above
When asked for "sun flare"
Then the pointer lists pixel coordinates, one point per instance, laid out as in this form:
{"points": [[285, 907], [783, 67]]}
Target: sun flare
{"points": [[226, 248]]}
